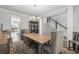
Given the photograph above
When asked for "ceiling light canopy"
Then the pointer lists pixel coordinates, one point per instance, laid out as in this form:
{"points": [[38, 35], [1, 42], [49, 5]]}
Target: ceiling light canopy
{"points": [[35, 5]]}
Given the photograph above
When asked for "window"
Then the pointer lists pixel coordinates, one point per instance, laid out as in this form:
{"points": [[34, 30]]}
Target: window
{"points": [[15, 25]]}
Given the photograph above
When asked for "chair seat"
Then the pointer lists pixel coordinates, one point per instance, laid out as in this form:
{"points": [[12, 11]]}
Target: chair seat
{"points": [[47, 47]]}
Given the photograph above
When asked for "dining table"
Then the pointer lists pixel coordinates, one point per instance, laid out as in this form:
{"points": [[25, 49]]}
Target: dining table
{"points": [[39, 38]]}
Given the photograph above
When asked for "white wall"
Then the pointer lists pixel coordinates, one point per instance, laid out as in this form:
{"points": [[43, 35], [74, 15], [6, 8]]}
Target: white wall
{"points": [[56, 12], [40, 25], [76, 19], [25, 22], [5, 18], [70, 23], [61, 18], [47, 29]]}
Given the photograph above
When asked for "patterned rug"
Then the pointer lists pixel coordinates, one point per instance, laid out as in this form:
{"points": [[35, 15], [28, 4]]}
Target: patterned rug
{"points": [[20, 47]]}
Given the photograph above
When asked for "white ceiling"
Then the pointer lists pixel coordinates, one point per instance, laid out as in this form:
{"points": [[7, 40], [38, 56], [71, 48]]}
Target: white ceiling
{"points": [[31, 10]]}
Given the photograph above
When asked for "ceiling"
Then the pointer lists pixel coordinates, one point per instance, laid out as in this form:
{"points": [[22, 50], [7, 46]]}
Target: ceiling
{"points": [[34, 10]]}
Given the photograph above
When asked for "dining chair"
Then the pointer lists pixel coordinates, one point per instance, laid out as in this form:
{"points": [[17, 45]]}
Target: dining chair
{"points": [[49, 48], [24, 31], [78, 36], [75, 38], [9, 44], [26, 40], [56, 43], [23, 38]]}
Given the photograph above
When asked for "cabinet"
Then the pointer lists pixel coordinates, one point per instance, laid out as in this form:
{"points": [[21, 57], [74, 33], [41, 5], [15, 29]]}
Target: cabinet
{"points": [[33, 26]]}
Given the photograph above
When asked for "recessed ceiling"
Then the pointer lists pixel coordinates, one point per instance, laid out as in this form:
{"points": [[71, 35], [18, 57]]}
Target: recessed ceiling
{"points": [[34, 10]]}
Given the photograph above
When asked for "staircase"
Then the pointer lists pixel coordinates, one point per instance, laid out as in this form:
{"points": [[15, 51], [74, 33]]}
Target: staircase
{"points": [[56, 25]]}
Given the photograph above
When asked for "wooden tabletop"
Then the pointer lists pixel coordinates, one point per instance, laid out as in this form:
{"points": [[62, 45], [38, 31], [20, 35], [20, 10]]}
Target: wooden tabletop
{"points": [[3, 38], [38, 38]]}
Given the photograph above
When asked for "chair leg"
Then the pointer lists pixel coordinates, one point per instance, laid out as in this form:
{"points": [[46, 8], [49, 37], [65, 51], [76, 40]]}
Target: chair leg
{"points": [[41, 50], [69, 45]]}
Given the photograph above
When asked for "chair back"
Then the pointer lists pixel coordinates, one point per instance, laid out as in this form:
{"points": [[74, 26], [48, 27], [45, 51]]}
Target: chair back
{"points": [[76, 36], [9, 44], [53, 35], [53, 41], [57, 39]]}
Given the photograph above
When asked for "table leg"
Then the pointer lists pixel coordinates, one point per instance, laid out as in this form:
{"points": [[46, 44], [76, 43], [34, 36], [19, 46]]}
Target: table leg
{"points": [[69, 45], [39, 48], [76, 48]]}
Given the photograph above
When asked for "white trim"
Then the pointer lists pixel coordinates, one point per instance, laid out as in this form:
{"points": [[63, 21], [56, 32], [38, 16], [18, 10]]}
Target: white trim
{"points": [[56, 12], [40, 26], [13, 12], [70, 23]]}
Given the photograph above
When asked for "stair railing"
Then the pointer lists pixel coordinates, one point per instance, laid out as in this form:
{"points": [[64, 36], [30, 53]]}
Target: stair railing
{"points": [[56, 23]]}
